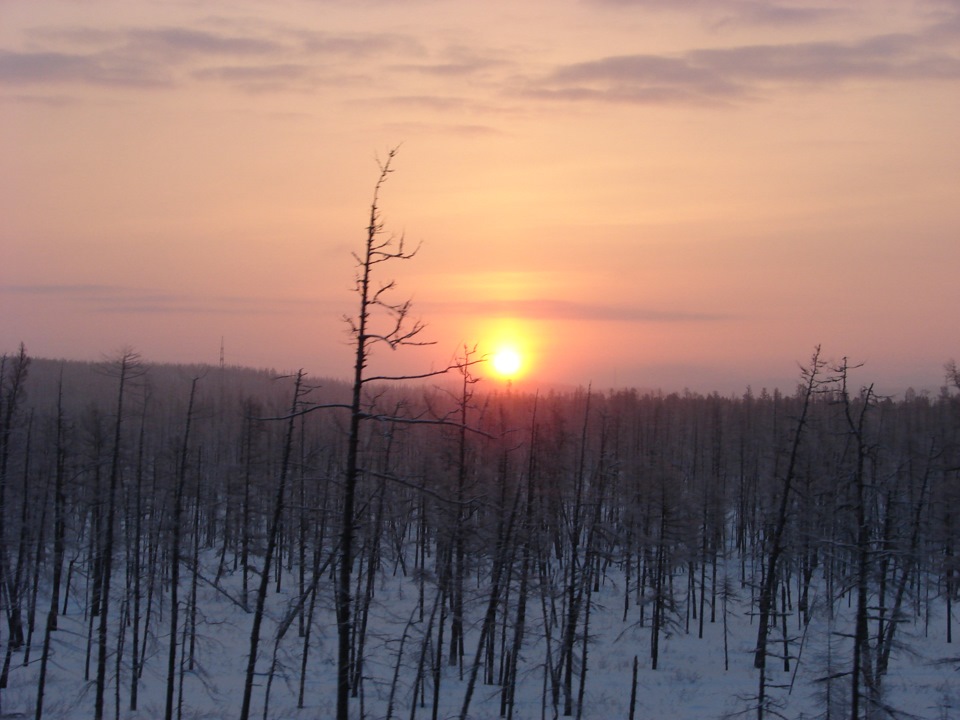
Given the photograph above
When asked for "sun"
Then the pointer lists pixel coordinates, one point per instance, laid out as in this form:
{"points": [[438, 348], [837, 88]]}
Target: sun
{"points": [[507, 362], [510, 349]]}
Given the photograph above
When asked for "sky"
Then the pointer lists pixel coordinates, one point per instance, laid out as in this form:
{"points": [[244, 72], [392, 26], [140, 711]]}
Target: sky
{"points": [[644, 193]]}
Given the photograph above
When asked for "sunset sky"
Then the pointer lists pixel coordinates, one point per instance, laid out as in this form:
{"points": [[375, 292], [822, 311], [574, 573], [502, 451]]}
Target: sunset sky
{"points": [[644, 193]]}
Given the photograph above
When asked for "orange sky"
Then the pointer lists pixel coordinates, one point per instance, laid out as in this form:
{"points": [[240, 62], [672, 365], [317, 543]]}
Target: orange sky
{"points": [[640, 192]]}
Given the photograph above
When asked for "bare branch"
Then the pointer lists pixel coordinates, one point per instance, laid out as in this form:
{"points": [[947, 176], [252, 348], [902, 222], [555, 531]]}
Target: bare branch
{"points": [[401, 378], [430, 421]]}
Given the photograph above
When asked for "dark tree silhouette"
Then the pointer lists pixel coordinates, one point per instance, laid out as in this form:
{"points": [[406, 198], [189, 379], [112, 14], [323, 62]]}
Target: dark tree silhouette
{"points": [[395, 329]]}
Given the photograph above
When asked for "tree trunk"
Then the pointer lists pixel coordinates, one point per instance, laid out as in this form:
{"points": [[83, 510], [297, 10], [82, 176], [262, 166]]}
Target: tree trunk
{"points": [[127, 366], [175, 555], [272, 533], [776, 543]]}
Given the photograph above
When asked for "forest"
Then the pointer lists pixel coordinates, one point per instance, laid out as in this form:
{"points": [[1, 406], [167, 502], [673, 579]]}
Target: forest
{"points": [[185, 541], [202, 541]]}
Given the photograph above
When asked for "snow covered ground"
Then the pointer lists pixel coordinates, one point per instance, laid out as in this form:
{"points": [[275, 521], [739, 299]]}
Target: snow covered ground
{"points": [[690, 683]]}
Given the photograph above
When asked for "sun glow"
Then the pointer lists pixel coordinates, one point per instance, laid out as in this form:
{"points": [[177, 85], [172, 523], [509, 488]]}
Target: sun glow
{"points": [[511, 349], [507, 362]]}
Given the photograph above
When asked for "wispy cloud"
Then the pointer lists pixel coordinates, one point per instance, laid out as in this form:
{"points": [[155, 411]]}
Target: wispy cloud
{"points": [[884, 57], [132, 57], [724, 12], [266, 56], [552, 309], [50, 101], [123, 299], [637, 79], [462, 129], [720, 75], [249, 59], [167, 43], [457, 62], [260, 78], [358, 45], [777, 14], [32, 68]]}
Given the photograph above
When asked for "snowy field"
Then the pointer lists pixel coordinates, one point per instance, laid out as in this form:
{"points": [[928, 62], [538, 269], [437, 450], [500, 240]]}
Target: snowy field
{"points": [[691, 681]]}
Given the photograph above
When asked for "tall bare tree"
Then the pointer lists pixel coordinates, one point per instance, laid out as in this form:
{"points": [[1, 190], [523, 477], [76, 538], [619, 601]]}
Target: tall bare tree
{"points": [[125, 367], [13, 376], [272, 533], [175, 551], [379, 321], [811, 376], [58, 548]]}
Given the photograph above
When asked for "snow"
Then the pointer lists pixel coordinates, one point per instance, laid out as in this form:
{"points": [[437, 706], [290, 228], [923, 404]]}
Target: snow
{"points": [[689, 683]]}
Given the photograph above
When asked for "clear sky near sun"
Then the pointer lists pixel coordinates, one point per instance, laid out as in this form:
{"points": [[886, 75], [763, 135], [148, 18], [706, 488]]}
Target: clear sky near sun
{"points": [[636, 193]]}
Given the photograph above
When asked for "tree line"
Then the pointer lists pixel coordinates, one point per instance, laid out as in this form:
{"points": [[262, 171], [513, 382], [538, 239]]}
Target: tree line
{"points": [[499, 505]]}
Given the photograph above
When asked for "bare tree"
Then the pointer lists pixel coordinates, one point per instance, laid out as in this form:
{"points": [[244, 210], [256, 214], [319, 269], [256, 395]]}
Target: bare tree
{"points": [[953, 373], [862, 655], [58, 548], [13, 375], [125, 367], [272, 534], [175, 552], [378, 321], [771, 577]]}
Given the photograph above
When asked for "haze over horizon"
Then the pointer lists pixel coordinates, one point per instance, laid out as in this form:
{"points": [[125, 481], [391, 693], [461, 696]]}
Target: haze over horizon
{"points": [[634, 192]]}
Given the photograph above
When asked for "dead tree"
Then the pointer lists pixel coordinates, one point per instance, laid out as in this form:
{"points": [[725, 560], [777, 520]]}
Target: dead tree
{"points": [[175, 553], [862, 656], [459, 540], [378, 321], [13, 375], [58, 549], [125, 368], [272, 534], [768, 590]]}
